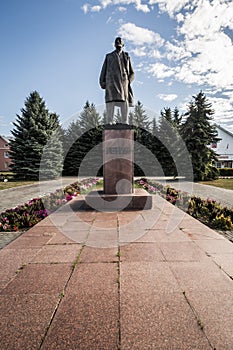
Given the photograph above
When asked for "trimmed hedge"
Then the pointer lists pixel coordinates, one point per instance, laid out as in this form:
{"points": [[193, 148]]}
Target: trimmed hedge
{"points": [[225, 171]]}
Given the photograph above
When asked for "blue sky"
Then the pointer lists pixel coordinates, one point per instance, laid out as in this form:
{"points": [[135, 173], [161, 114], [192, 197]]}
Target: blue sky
{"points": [[57, 47]]}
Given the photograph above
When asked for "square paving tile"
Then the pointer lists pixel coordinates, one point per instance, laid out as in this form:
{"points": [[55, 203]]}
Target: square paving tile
{"points": [[94, 279], [60, 237], [127, 235], [102, 238], [40, 231], [214, 309], [24, 320], [92, 295], [11, 260], [58, 253], [201, 233], [181, 251], [141, 252], [163, 236], [201, 276], [216, 246], [76, 226], [159, 322], [140, 278], [104, 224], [225, 262], [24, 242], [90, 254], [87, 317], [39, 279]]}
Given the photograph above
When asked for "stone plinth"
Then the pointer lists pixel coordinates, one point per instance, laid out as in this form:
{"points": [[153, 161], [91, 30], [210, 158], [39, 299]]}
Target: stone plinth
{"points": [[98, 200], [118, 158]]}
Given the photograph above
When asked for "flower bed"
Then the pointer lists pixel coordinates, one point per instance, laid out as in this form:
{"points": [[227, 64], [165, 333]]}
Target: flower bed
{"points": [[207, 211], [27, 215]]}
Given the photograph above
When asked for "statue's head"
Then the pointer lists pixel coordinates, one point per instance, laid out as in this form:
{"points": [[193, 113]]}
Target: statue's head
{"points": [[119, 43]]}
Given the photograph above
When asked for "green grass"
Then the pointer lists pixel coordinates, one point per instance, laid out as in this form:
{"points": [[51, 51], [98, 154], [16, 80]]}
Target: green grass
{"points": [[222, 183], [11, 184]]}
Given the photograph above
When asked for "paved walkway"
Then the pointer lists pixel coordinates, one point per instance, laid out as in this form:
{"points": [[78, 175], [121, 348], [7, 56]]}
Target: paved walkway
{"points": [[155, 279], [15, 196], [221, 195]]}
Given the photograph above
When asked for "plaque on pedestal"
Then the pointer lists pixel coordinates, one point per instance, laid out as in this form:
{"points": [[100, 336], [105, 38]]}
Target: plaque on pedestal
{"points": [[118, 158]]}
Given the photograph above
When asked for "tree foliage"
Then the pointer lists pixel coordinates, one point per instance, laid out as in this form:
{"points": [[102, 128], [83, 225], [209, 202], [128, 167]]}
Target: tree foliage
{"points": [[198, 133], [36, 133]]}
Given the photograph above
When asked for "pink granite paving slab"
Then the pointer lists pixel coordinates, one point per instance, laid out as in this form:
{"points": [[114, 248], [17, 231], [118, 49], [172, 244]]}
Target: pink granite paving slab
{"points": [[216, 246], [163, 236], [60, 219], [126, 217], [86, 216], [104, 224], [141, 252], [201, 233], [163, 225], [46, 221], [106, 216], [11, 260], [214, 309], [76, 226], [188, 222], [203, 275], [130, 235], [159, 322], [92, 323], [102, 238], [181, 251], [139, 278], [39, 279], [24, 320], [60, 237], [225, 262], [90, 254], [94, 278], [37, 230], [24, 242], [73, 236], [87, 317], [58, 254]]}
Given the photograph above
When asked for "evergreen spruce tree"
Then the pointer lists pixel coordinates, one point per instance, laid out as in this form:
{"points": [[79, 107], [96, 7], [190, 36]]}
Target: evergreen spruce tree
{"points": [[83, 136], [198, 133], [71, 148], [167, 137], [89, 117], [33, 130]]}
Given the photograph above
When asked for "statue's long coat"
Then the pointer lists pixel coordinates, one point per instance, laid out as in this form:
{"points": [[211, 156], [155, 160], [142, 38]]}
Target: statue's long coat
{"points": [[115, 76]]}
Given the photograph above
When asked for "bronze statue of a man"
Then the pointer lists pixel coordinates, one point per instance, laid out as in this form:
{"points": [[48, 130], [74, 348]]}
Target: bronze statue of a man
{"points": [[115, 77]]}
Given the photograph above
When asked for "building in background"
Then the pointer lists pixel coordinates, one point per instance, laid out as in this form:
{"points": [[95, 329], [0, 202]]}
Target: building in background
{"points": [[5, 160], [224, 148]]}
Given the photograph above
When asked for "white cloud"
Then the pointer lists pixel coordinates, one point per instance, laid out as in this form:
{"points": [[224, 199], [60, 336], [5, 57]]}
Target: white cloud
{"points": [[176, 51], [139, 36], [122, 9], [167, 97], [96, 8], [208, 18], [85, 8], [160, 70], [104, 3], [139, 51], [171, 6]]}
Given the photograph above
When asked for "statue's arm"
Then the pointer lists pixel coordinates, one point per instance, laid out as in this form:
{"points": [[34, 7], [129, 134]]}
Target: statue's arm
{"points": [[131, 72], [102, 79]]}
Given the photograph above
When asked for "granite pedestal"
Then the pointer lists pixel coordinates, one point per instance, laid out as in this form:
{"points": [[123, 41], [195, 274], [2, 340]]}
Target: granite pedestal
{"points": [[118, 170]]}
